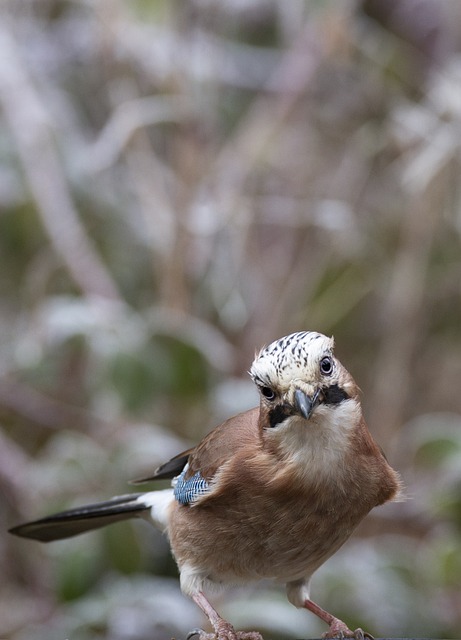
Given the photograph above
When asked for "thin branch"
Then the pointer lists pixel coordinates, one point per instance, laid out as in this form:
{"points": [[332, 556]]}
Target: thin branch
{"points": [[27, 119], [126, 119], [39, 409]]}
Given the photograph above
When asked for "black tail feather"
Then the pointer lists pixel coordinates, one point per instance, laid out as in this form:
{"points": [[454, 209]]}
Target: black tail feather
{"points": [[74, 521]]}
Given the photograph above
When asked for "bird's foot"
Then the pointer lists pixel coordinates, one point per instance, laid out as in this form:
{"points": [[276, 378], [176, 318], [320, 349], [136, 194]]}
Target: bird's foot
{"points": [[224, 631], [199, 633], [360, 634], [339, 630]]}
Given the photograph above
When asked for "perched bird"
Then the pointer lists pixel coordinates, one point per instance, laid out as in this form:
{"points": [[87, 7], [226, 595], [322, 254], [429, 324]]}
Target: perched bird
{"points": [[271, 493]]}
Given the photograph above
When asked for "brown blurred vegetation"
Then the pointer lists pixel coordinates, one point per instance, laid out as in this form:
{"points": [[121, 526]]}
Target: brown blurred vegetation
{"points": [[182, 181]]}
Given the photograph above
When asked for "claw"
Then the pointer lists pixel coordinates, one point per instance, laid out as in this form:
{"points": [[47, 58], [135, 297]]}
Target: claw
{"points": [[360, 634], [340, 632], [240, 635]]}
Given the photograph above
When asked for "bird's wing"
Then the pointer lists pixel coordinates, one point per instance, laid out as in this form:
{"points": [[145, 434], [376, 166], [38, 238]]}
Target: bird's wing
{"points": [[195, 468], [223, 443], [218, 449]]}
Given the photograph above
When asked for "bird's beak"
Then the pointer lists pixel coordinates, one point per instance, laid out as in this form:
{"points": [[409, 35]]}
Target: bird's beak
{"points": [[305, 404]]}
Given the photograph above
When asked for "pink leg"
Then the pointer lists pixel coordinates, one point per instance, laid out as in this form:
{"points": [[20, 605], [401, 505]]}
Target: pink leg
{"points": [[338, 629], [223, 630]]}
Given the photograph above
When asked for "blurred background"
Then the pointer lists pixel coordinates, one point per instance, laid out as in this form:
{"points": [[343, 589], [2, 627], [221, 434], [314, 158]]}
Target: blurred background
{"points": [[182, 181]]}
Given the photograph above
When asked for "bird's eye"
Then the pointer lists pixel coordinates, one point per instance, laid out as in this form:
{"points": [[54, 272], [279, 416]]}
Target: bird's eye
{"points": [[326, 366], [268, 393]]}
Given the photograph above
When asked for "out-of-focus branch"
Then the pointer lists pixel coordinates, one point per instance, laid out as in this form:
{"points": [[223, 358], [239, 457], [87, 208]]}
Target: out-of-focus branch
{"points": [[211, 342], [402, 323], [268, 112], [251, 140], [13, 464], [126, 119], [27, 119], [24, 401]]}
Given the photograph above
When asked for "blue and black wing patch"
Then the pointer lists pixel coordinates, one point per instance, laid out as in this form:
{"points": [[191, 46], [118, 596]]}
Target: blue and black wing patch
{"points": [[188, 490]]}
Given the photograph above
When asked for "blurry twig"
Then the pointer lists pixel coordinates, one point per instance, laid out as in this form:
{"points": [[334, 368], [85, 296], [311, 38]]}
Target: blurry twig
{"points": [[202, 335], [403, 324], [250, 142], [13, 464], [39, 409], [267, 113], [27, 119], [126, 119]]}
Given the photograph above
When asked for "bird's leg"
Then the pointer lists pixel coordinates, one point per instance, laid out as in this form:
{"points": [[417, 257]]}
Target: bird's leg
{"points": [[338, 629], [223, 630]]}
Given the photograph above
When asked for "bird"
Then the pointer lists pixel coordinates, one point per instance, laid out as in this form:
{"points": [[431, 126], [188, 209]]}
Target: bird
{"points": [[270, 493]]}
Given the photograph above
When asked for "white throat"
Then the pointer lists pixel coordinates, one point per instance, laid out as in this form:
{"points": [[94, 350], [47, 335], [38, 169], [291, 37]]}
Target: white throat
{"points": [[316, 446]]}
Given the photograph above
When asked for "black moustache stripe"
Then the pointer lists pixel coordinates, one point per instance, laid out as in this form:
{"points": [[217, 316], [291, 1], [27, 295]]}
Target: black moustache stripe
{"points": [[278, 414], [334, 394], [330, 395]]}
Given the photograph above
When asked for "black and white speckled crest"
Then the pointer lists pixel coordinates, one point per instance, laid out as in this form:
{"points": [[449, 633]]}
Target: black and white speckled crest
{"points": [[294, 356]]}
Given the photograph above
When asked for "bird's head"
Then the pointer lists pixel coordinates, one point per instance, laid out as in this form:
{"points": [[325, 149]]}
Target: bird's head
{"points": [[301, 382]]}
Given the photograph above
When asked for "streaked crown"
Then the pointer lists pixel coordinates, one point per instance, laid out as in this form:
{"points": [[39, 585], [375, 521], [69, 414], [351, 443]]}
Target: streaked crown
{"points": [[294, 356]]}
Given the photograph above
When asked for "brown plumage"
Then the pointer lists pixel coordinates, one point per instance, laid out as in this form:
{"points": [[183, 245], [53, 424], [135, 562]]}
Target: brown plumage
{"points": [[271, 493]]}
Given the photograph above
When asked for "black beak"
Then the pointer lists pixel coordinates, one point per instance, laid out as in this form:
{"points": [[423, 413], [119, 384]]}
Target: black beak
{"points": [[304, 404]]}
